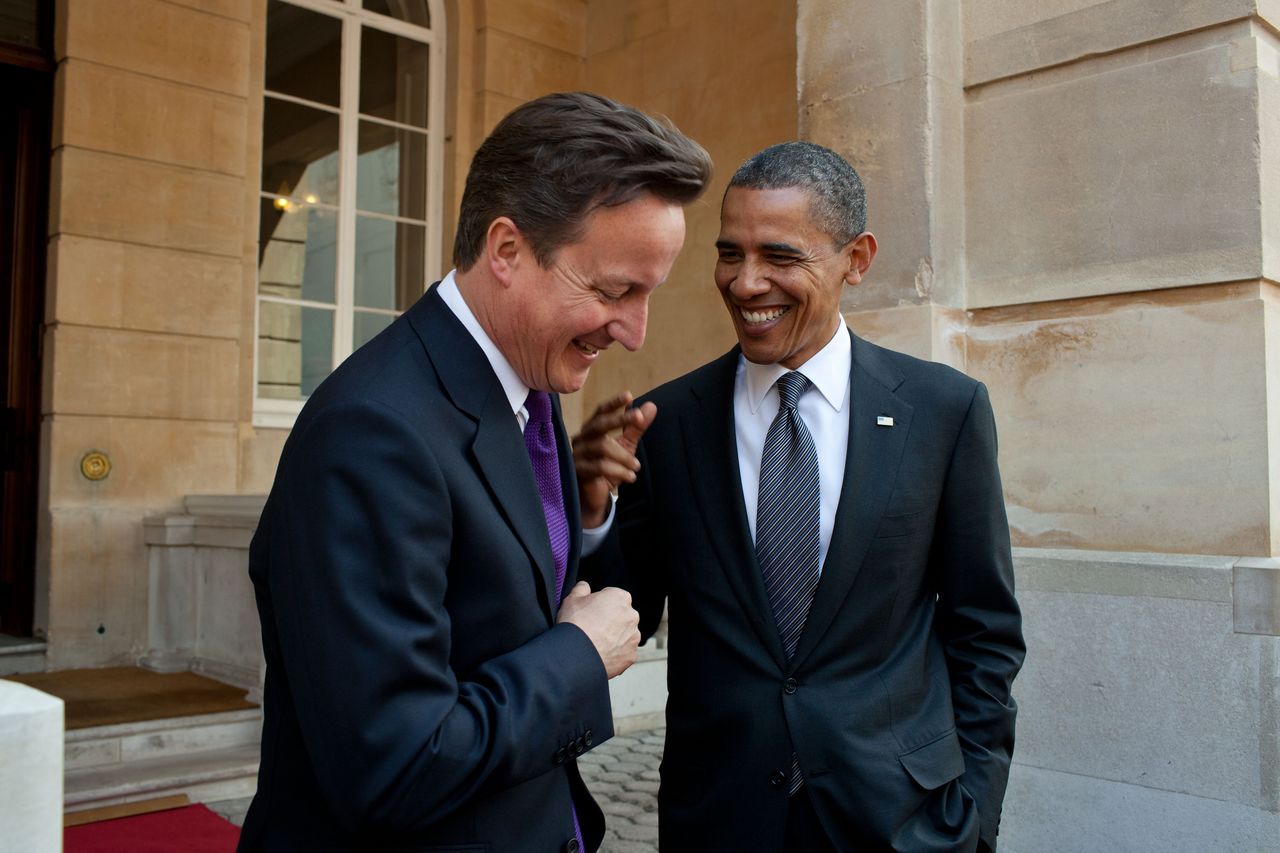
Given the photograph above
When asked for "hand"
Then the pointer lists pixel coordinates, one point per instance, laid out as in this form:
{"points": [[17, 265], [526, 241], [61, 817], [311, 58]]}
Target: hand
{"points": [[603, 461], [608, 620]]}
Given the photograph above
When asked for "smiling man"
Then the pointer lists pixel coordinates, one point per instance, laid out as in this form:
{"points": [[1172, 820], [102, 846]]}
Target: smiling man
{"points": [[825, 520], [433, 668]]}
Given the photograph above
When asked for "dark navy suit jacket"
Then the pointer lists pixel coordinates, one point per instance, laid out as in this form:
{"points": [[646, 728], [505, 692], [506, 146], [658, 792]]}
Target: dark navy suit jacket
{"points": [[419, 695], [897, 701]]}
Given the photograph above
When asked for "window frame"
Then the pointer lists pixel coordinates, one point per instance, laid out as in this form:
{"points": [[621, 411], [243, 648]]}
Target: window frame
{"points": [[281, 413]]}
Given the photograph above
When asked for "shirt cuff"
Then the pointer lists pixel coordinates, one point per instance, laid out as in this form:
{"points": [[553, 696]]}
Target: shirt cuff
{"points": [[592, 538]]}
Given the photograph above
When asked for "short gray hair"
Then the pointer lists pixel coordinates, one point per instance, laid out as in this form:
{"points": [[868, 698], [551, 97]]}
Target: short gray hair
{"points": [[839, 202]]}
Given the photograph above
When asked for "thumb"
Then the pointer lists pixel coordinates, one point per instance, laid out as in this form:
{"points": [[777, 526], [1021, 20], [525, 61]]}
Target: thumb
{"points": [[581, 589], [642, 418]]}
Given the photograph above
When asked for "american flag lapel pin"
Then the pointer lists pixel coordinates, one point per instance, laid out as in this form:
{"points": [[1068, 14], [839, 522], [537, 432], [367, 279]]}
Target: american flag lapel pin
{"points": [[884, 420]]}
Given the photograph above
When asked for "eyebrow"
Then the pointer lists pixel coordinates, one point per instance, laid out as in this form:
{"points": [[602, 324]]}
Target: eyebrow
{"points": [[785, 248]]}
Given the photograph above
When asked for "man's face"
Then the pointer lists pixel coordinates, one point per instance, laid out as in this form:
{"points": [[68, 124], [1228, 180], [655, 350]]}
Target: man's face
{"points": [[780, 274], [593, 292]]}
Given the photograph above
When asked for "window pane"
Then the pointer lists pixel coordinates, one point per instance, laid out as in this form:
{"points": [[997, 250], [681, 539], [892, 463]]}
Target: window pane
{"points": [[392, 173], [20, 22], [413, 11], [304, 53], [367, 325], [393, 77], [297, 255], [390, 263], [299, 152], [295, 349]]}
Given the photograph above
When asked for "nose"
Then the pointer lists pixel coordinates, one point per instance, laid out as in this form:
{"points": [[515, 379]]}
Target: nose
{"points": [[750, 281], [628, 325]]}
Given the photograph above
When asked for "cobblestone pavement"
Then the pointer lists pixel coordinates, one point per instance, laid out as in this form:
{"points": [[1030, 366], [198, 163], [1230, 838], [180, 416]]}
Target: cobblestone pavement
{"points": [[622, 774]]}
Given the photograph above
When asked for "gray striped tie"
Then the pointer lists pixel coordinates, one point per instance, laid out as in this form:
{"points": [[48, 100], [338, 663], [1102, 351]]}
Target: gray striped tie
{"points": [[788, 522]]}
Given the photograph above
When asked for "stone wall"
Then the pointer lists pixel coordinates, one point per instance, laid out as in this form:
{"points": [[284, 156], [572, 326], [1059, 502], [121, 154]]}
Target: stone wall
{"points": [[1076, 203]]}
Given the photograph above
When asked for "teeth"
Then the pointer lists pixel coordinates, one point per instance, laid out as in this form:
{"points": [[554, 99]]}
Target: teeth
{"points": [[586, 347], [763, 316]]}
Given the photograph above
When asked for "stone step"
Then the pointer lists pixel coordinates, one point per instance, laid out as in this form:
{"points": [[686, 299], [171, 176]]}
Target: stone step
{"points": [[206, 757], [127, 743], [219, 774], [20, 655]]}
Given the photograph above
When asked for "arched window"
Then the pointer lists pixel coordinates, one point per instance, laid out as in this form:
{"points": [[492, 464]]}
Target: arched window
{"points": [[350, 213]]}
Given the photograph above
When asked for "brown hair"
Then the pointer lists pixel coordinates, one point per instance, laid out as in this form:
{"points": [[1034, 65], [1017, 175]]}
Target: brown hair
{"points": [[553, 160]]}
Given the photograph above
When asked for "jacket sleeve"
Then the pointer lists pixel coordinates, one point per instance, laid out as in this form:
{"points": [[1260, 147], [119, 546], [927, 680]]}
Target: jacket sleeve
{"points": [[978, 619], [360, 537]]}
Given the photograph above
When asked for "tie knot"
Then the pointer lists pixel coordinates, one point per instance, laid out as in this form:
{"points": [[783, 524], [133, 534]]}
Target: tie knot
{"points": [[538, 405], [790, 387]]}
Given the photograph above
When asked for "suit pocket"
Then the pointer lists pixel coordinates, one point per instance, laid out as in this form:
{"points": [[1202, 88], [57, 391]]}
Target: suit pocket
{"points": [[935, 763], [893, 526]]}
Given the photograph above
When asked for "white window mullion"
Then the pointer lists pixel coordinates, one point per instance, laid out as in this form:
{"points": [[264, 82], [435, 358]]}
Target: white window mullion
{"points": [[435, 150], [348, 146]]}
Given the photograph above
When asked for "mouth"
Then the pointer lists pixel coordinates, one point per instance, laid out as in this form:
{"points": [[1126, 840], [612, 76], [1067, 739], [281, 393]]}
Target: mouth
{"points": [[762, 316], [587, 349]]}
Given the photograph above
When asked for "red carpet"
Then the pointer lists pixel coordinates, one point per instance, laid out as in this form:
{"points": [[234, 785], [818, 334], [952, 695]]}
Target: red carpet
{"points": [[193, 829]]}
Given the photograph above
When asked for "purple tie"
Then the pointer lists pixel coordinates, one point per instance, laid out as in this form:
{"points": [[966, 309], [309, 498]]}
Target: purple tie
{"points": [[540, 441]]}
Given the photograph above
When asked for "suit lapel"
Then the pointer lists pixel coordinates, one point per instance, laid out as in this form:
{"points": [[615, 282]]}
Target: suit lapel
{"points": [[711, 451], [871, 470], [497, 446]]}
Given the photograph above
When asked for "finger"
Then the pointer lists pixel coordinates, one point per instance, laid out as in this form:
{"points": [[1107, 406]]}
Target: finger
{"points": [[617, 401], [602, 424], [581, 589], [642, 417]]}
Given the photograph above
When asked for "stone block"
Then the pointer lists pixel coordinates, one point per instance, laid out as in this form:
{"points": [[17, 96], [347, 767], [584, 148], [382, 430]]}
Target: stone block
{"points": [[1080, 188], [1006, 38], [164, 40], [31, 729], [523, 70], [554, 23], [1050, 812], [230, 634], [259, 455], [1256, 596], [238, 10], [1134, 674], [926, 331], [1271, 358], [141, 374], [154, 462], [839, 55], [1137, 423], [1265, 49], [135, 201], [128, 286], [885, 133], [121, 112], [97, 586], [614, 23]]}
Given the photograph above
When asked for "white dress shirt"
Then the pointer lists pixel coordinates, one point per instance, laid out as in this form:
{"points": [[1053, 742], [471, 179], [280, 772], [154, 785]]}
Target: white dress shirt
{"points": [[824, 409]]}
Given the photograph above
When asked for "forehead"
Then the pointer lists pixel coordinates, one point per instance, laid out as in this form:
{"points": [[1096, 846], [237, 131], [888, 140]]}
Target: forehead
{"points": [[768, 215]]}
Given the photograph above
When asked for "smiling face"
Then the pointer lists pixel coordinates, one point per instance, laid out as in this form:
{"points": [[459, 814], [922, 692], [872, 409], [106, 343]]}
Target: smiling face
{"points": [[780, 274], [555, 320]]}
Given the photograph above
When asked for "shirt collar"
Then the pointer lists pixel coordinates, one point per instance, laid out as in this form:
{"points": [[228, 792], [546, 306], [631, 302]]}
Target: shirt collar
{"points": [[828, 369], [512, 385]]}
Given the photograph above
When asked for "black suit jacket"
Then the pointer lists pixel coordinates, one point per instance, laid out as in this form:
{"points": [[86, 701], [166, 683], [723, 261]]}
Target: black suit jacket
{"points": [[897, 700], [419, 695]]}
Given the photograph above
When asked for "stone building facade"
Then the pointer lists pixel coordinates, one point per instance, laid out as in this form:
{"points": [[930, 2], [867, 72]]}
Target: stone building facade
{"points": [[1078, 202]]}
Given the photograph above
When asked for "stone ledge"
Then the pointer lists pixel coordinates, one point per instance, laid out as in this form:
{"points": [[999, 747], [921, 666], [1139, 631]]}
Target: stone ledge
{"points": [[1256, 596]]}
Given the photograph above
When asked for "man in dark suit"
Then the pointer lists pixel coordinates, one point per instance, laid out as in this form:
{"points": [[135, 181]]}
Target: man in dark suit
{"points": [[825, 520], [432, 668]]}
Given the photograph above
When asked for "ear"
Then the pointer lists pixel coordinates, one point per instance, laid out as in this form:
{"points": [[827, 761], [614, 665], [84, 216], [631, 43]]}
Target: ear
{"points": [[861, 251], [503, 247]]}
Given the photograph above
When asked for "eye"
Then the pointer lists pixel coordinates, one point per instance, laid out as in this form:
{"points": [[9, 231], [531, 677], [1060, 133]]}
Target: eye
{"points": [[610, 298], [729, 257]]}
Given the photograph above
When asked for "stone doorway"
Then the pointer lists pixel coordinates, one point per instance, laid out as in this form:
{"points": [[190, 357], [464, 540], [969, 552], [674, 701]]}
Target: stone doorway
{"points": [[26, 78]]}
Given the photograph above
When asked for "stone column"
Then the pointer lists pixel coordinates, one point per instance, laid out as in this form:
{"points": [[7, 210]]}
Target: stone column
{"points": [[1078, 203]]}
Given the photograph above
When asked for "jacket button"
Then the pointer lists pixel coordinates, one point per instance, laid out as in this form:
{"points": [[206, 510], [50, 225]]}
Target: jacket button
{"points": [[789, 686], [587, 739], [560, 756], [777, 778], [571, 846], [579, 746]]}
